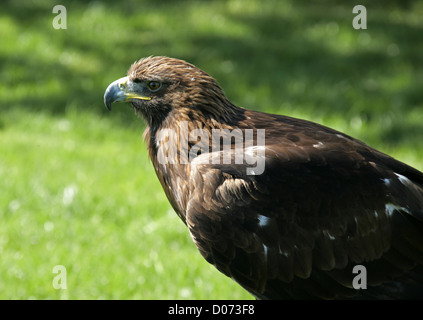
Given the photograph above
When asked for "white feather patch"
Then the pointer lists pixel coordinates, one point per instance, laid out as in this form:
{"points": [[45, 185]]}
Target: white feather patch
{"points": [[390, 208], [404, 180], [318, 145], [263, 220], [386, 181]]}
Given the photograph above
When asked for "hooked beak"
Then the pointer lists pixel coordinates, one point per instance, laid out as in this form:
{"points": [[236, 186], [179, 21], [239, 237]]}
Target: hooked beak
{"points": [[122, 90]]}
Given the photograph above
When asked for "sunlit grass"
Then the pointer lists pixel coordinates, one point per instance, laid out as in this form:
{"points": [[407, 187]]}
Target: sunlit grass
{"points": [[76, 185]]}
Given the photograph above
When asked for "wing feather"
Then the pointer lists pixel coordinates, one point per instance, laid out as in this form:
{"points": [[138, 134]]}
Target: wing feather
{"points": [[310, 215]]}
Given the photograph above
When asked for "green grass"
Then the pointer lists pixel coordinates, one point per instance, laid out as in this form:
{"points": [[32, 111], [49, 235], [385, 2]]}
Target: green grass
{"points": [[76, 185]]}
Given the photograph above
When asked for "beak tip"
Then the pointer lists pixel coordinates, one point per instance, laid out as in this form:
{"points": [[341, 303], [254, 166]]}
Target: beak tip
{"points": [[110, 96], [108, 104]]}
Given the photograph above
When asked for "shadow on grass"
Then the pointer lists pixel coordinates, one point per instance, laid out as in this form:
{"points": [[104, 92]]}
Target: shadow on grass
{"points": [[279, 53]]}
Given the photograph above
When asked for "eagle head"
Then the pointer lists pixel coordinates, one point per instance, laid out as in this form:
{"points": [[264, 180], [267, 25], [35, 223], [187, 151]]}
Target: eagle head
{"points": [[156, 86]]}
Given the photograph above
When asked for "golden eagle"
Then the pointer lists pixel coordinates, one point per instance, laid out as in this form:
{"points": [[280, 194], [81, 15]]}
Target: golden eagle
{"points": [[285, 207]]}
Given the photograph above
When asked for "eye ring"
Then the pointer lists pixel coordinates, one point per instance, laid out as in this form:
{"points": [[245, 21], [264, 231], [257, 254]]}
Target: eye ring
{"points": [[154, 85]]}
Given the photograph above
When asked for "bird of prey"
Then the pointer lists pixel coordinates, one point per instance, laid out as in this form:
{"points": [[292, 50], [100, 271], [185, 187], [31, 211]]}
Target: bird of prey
{"points": [[288, 208]]}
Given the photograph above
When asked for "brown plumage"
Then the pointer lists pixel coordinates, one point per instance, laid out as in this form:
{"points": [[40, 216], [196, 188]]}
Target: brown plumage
{"points": [[323, 202]]}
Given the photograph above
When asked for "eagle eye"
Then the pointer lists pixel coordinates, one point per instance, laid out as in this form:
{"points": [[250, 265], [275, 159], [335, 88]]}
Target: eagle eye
{"points": [[154, 85]]}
